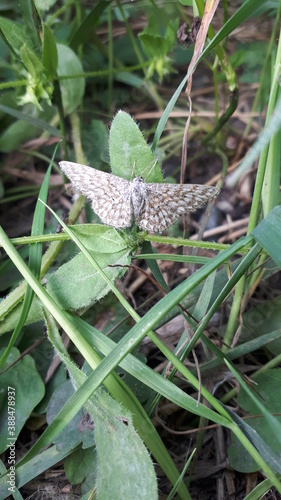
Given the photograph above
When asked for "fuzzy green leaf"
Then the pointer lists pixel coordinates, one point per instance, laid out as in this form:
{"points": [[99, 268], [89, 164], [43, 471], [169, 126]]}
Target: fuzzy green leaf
{"points": [[129, 151], [76, 284], [124, 466], [21, 376]]}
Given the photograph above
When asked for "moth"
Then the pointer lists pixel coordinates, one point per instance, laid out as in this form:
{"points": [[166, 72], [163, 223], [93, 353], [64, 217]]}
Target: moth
{"points": [[119, 203]]}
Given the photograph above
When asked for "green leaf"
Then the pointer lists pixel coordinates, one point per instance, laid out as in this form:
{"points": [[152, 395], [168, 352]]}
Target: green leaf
{"points": [[171, 33], [81, 468], [267, 234], [38, 88], [50, 53], [34, 122], [268, 387], [76, 284], [73, 434], [9, 274], [129, 152], [129, 79], [21, 376], [87, 27], [15, 135], [72, 89], [119, 454], [44, 4], [11, 319], [32, 23], [31, 61], [157, 47], [14, 34], [95, 142], [118, 443], [99, 238], [263, 319], [154, 45]]}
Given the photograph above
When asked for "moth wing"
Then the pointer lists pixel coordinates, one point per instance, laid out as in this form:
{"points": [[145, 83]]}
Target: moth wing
{"points": [[109, 194], [165, 203]]}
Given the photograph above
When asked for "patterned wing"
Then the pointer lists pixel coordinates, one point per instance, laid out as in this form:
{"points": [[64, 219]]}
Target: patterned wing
{"points": [[110, 195], [165, 203]]}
